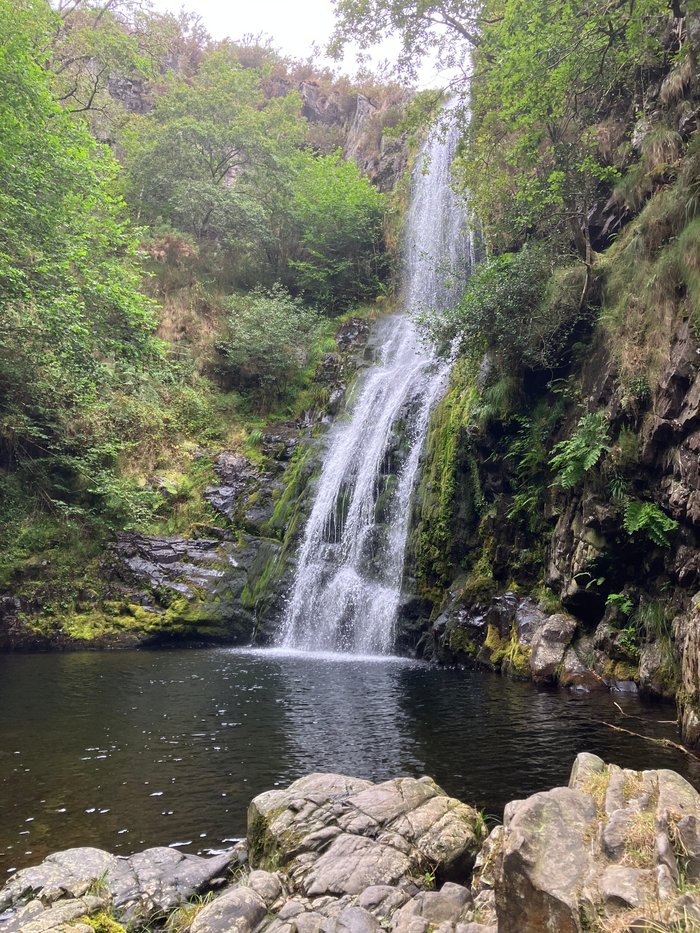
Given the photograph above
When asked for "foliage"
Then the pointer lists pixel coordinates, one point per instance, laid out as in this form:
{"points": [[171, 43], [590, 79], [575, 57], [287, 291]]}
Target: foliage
{"points": [[516, 308], [621, 601], [215, 160], [74, 321], [544, 78], [435, 27], [337, 215], [268, 341], [496, 312], [572, 459], [650, 520]]}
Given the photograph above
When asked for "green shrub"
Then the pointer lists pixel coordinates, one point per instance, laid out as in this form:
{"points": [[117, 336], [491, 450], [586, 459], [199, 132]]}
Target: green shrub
{"points": [[518, 308], [268, 341]]}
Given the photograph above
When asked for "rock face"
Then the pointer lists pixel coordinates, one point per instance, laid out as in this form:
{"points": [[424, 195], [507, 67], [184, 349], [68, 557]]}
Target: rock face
{"points": [[612, 846], [616, 850]]}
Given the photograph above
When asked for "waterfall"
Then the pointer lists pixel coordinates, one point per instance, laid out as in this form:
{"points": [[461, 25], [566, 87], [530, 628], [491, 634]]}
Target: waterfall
{"points": [[347, 589]]}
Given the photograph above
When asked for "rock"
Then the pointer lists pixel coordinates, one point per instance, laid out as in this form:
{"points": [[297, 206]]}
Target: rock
{"points": [[53, 918], [352, 856], [448, 905], [622, 887], [549, 645], [575, 671], [136, 888], [686, 631], [353, 863], [544, 863], [572, 857], [382, 900], [266, 885], [528, 619], [338, 835], [70, 872], [238, 911]]}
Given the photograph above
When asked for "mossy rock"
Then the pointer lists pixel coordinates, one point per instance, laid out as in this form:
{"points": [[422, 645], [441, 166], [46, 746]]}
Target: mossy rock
{"points": [[103, 923]]}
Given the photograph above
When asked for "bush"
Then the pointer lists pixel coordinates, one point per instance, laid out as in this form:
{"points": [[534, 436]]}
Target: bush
{"points": [[338, 216], [268, 342], [517, 308]]}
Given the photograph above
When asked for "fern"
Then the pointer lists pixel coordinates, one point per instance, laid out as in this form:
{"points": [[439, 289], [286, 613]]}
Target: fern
{"points": [[648, 518], [573, 458]]}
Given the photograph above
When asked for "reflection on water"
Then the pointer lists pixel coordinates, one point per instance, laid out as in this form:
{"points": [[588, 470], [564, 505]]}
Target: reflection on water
{"points": [[130, 749]]}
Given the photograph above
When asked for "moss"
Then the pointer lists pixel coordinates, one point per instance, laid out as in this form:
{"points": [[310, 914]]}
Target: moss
{"points": [[507, 653], [448, 493], [480, 584], [620, 670], [102, 923], [460, 642]]}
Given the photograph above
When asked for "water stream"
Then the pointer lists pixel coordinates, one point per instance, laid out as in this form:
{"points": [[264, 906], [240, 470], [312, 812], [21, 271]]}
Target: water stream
{"points": [[347, 588]]}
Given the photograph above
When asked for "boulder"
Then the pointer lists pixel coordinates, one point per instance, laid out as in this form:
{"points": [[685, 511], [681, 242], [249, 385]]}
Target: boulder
{"points": [[572, 858], [238, 911], [549, 644], [135, 888], [337, 835], [545, 861]]}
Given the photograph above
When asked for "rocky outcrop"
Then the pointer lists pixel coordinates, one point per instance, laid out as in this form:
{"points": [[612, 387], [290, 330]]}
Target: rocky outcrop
{"points": [[79, 882], [615, 850], [686, 630]]}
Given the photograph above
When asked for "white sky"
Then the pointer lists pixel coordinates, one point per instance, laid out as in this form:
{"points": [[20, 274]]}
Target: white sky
{"points": [[295, 26]]}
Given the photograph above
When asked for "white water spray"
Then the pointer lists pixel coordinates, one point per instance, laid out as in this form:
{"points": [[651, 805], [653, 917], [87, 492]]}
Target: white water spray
{"points": [[347, 589]]}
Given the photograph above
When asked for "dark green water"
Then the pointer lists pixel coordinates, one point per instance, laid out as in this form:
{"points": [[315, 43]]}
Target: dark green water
{"points": [[130, 749]]}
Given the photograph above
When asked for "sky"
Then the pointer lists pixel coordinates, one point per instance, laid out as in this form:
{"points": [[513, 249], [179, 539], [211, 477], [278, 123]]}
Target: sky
{"points": [[295, 26]]}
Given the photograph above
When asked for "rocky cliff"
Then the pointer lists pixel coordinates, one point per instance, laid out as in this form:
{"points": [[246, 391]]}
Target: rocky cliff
{"points": [[556, 528], [223, 582]]}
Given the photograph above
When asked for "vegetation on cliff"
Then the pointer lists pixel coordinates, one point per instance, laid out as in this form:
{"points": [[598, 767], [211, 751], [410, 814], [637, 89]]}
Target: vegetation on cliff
{"points": [[554, 464], [182, 232]]}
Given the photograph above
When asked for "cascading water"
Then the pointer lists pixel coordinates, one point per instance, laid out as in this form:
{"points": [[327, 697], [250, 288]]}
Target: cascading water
{"points": [[347, 588]]}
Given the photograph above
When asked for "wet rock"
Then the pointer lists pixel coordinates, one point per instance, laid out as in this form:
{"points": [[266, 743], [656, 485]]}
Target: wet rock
{"points": [[528, 619], [575, 670], [549, 645]]}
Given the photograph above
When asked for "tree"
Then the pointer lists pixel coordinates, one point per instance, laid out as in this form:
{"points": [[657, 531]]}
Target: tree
{"points": [[337, 215], [214, 159], [444, 28], [71, 311], [545, 75]]}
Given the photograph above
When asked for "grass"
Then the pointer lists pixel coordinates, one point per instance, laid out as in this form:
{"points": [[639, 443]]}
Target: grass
{"points": [[596, 786], [182, 918], [640, 840]]}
